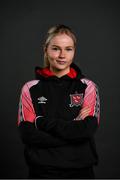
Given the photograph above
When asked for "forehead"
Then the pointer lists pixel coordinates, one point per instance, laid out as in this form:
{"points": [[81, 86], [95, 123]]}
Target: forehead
{"points": [[62, 39]]}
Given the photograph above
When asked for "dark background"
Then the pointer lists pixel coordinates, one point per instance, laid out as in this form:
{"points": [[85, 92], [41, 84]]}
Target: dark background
{"points": [[23, 26]]}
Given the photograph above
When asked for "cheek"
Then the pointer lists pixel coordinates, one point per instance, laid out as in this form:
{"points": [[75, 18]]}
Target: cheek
{"points": [[52, 55], [71, 56]]}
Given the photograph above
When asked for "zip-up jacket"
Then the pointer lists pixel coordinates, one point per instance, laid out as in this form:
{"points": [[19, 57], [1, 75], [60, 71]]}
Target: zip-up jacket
{"points": [[49, 119]]}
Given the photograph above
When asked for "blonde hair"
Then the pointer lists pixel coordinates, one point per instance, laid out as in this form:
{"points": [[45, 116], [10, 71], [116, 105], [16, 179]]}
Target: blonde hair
{"points": [[52, 32]]}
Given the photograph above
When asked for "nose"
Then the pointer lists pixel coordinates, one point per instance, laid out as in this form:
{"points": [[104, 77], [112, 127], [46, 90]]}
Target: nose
{"points": [[62, 54]]}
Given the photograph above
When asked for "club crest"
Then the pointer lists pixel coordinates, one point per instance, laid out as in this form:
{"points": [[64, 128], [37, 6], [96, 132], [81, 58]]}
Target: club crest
{"points": [[76, 99]]}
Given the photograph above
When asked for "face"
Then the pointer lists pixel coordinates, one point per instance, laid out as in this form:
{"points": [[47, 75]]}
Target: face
{"points": [[60, 53]]}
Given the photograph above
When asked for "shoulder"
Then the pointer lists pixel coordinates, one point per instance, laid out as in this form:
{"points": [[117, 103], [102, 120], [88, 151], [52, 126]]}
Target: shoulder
{"points": [[90, 84], [26, 87]]}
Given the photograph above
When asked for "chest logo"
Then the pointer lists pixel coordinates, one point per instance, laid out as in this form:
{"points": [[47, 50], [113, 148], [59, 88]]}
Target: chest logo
{"points": [[42, 100], [76, 99]]}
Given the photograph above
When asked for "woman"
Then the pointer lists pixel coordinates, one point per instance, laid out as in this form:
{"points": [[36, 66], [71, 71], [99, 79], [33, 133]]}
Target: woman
{"points": [[59, 113]]}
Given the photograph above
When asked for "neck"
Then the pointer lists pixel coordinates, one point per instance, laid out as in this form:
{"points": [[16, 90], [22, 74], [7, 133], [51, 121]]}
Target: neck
{"points": [[60, 73]]}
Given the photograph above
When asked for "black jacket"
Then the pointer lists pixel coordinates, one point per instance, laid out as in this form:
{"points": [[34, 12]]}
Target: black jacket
{"points": [[49, 120]]}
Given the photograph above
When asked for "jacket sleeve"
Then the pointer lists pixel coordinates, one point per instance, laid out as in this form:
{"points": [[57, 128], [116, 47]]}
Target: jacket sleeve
{"points": [[77, 129], [26, 123], [83, 128]]}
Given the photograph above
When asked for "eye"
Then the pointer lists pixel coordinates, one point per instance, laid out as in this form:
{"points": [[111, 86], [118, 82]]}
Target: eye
{"points": [[55, 48], [69, 49]]}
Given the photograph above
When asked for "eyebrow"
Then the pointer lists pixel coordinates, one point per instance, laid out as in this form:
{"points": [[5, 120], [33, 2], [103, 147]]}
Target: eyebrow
{"points": [[60, 47]]}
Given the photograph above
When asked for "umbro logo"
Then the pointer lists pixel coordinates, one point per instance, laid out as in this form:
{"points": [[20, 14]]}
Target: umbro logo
{"points": [[42, 100]]}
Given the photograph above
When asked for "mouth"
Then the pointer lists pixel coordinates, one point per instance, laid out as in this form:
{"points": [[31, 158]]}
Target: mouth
{"points": [[61, 62]]}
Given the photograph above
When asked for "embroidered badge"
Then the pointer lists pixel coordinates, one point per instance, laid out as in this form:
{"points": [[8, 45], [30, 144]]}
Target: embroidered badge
{"points": [[42, 100], [76, 99]]}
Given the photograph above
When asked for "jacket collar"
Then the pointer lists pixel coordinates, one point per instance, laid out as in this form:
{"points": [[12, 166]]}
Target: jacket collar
{"points": [[45, 73]]}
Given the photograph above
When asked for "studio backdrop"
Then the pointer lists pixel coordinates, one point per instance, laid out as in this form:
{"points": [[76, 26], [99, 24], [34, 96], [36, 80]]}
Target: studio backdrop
{"points": [[97, 27]]}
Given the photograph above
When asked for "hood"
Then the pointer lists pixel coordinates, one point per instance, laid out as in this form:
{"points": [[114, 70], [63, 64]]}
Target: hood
{"points": [[46, 74]]}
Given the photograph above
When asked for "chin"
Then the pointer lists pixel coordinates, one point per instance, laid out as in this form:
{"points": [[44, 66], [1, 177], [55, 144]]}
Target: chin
{"points": [[61, 67]]}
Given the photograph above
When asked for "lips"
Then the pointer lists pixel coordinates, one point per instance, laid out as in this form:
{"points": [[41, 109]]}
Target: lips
{"points": [[60, 62]]}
